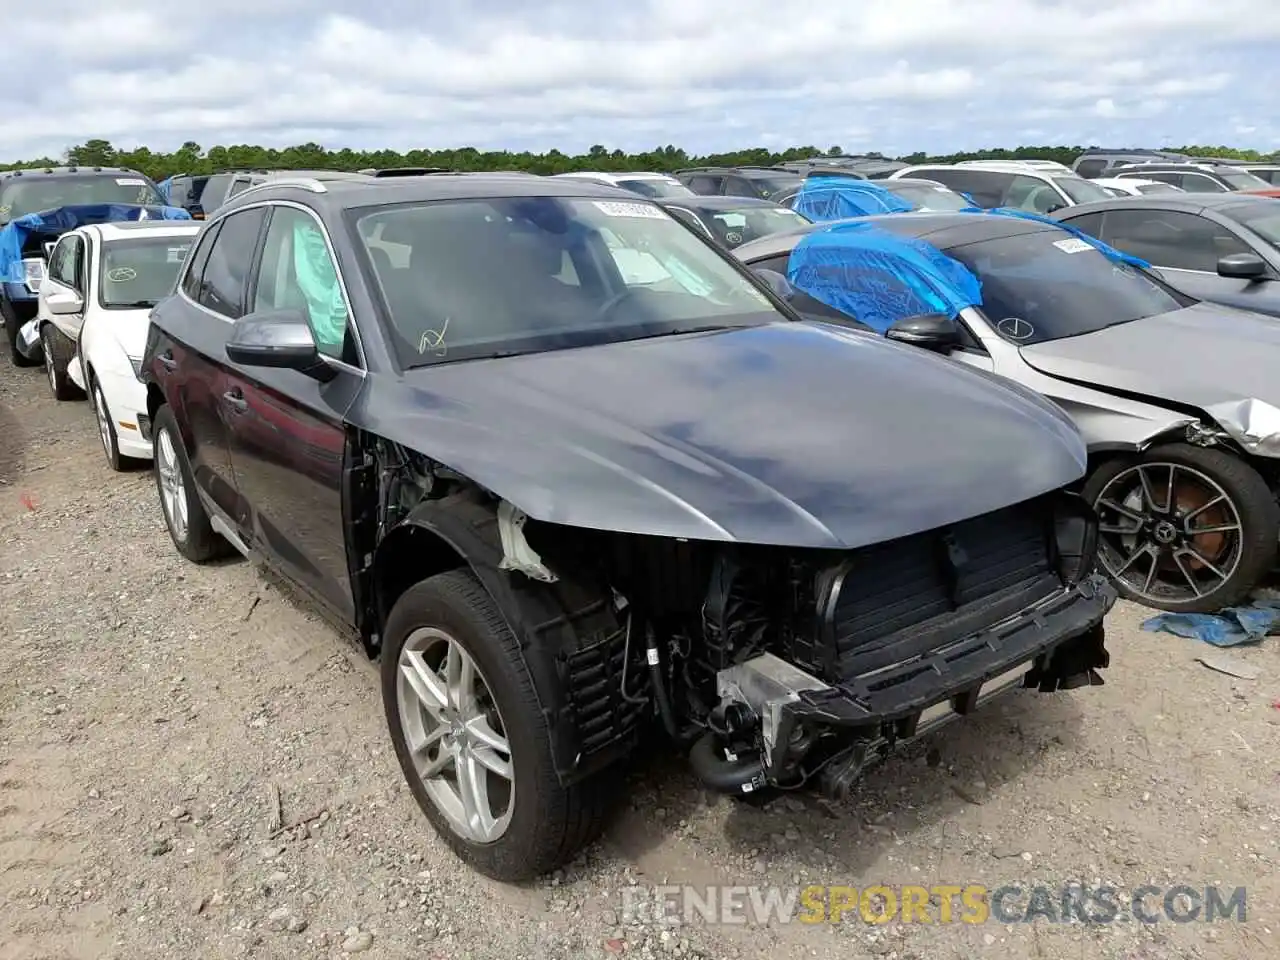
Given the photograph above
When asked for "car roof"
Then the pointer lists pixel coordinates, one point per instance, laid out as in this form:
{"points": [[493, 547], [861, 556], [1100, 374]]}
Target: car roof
{"points": [[1187, 202], [714, 202], [1010, 167], [361, 191], [1172, 167], [943, 230], [122, 229], [55, 172]]}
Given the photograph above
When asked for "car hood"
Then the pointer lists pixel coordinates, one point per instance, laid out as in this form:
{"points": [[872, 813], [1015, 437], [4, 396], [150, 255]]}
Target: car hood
{"points": [[791, 433], [1214, 358]]}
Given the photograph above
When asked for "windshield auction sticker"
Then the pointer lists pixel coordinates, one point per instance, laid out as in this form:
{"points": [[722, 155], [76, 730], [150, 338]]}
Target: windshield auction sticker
{"points": [[613, 208], [1073, 245]]}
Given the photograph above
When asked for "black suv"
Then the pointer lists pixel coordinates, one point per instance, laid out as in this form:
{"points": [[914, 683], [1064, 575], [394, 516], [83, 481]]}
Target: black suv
{"points": [[566, 495], [44, 190], [762, 182]]}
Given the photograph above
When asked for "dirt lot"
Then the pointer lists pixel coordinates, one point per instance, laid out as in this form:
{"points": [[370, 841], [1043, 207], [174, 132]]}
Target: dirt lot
{"points": [[151, 710]]}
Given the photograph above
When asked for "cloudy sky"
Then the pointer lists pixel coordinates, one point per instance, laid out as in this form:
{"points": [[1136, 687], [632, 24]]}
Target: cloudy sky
{"points": [[895, 76]]}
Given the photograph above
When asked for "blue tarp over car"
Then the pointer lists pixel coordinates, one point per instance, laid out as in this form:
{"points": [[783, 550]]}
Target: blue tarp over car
{"points": [[878, 277], [839, 198], [61, 219]]}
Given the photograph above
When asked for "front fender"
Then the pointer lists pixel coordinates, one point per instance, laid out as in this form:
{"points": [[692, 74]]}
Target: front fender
{"points": [[564, 630]]}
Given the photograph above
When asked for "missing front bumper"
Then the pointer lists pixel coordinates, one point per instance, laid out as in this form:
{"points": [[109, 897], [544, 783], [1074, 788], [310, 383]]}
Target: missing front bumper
{"points": [[801, 724]]}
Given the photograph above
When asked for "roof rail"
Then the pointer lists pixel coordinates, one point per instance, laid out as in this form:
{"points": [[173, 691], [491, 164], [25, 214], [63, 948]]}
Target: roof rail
{"points": [[304, 183]]}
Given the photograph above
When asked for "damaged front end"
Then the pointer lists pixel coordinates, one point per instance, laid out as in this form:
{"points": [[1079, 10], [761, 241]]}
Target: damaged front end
{"points": [[771, 666], [907, 637]]}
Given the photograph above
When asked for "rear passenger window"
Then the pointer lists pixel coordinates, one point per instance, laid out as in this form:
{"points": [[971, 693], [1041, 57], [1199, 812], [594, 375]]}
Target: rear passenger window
{"points": [[195, 267], [1090, 168], [1165, 238], [704, 185], [223, 284]]}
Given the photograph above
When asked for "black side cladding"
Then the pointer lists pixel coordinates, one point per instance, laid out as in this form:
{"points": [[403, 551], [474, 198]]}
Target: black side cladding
{"points": [[893, 601]]}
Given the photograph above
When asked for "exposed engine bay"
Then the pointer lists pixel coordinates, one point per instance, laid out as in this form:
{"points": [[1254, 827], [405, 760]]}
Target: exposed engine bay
{"points": [[781, 667]]}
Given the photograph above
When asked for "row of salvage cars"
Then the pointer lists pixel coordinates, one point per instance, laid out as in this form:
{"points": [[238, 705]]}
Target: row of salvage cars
{"points": [[575, 472]]}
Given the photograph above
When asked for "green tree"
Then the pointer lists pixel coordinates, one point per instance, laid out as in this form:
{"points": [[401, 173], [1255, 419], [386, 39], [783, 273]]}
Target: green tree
{"points": [[192, 158]]}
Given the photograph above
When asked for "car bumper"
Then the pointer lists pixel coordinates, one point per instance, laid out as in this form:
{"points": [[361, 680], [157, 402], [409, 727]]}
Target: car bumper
{"points": [[1056, 644], [126, 398]]}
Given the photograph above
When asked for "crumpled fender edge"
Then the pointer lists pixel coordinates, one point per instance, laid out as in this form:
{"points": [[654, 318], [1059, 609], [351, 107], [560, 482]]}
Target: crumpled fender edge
{"points": [[552, 622]]}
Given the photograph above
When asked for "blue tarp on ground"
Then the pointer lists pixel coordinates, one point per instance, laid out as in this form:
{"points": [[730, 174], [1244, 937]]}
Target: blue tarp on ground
{"points": [[878, 277], [839, 198], [1230, 628], [61, 219]]}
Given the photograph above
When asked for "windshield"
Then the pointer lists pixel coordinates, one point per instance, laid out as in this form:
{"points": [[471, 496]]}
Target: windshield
{"points": [[1081, 190], [736, 227], [657, 189], [1260, 218], [1049, 285], [1241, 180], [925, 196], [463, 279], [20, 196], [140, 272]]}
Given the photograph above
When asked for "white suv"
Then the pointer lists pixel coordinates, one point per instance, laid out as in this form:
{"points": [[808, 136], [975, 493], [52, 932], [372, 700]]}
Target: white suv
{"points": [[653, 185], [1010, 183]]}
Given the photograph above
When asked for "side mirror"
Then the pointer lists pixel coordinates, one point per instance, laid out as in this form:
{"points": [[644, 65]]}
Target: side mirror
{"points": [[780, 285], [63, 303], [1242, 266], [933, 331], [48, 248], [280, 339]]}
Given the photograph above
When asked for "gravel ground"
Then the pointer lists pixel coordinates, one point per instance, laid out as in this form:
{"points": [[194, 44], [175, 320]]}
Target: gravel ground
{"points": [[151, 712]]}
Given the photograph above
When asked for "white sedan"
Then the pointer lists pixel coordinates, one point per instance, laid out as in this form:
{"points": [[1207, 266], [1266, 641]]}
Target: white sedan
{"points": [[95, 304]]}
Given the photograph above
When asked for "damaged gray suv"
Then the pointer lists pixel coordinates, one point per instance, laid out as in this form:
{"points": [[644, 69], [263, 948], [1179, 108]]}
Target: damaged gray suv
{"points": [[573, 475]]}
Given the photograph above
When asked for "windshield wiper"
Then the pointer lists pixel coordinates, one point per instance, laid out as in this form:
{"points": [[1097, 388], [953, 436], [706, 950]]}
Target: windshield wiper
{"points": [[132, 304]]}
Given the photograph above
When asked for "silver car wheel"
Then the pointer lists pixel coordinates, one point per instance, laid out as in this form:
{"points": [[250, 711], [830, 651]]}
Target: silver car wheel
{"points": [[173, 493], [105, 429], [1168, 531], [455, 735]]}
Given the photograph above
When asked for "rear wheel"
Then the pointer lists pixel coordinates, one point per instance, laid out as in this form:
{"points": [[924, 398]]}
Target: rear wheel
{"points": [[1184, 528], [470, 737], [184, 514]]}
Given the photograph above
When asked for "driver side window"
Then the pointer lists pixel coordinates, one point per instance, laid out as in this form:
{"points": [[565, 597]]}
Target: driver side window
{"points": [[62, 262], [297, 272]]}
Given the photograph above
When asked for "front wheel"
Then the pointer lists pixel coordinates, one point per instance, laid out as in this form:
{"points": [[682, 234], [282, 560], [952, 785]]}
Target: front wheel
{"points": [[11, 327], [58, 351], [1184, 528], [472, 742]]}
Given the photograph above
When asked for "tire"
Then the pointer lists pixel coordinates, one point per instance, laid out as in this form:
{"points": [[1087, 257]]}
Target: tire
{"points": [[58, 351], [106, 427], [549, 823], [193, 536], [11, 325], [1249, 554]]}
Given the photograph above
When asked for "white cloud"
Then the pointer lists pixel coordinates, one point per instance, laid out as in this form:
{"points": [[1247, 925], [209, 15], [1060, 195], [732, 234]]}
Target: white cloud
{"points": [[933, 75]]}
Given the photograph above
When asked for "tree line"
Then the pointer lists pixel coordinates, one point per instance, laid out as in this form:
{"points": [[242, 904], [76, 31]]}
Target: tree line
{"points": [[191, 157]]}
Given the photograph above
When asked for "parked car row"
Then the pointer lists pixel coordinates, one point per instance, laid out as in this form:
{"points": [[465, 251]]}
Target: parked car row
{"points": [[573, 472], [788, 484]]}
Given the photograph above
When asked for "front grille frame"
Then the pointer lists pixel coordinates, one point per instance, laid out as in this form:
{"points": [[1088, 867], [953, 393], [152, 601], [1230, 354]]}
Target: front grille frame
{"points": [[892, 602]]}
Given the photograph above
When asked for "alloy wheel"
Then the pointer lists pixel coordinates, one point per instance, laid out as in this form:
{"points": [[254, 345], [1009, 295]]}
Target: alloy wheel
{"points": [[455, 735], [1168, 532], [173, 494], [104, 425], [49, 368]]}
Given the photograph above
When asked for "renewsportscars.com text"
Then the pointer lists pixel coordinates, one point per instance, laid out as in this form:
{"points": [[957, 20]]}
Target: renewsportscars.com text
{"points": [[940, 903]]}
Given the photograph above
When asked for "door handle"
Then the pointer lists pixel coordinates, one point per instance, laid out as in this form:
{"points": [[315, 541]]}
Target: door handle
{"points": [[236, 401], [166, 360]]}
